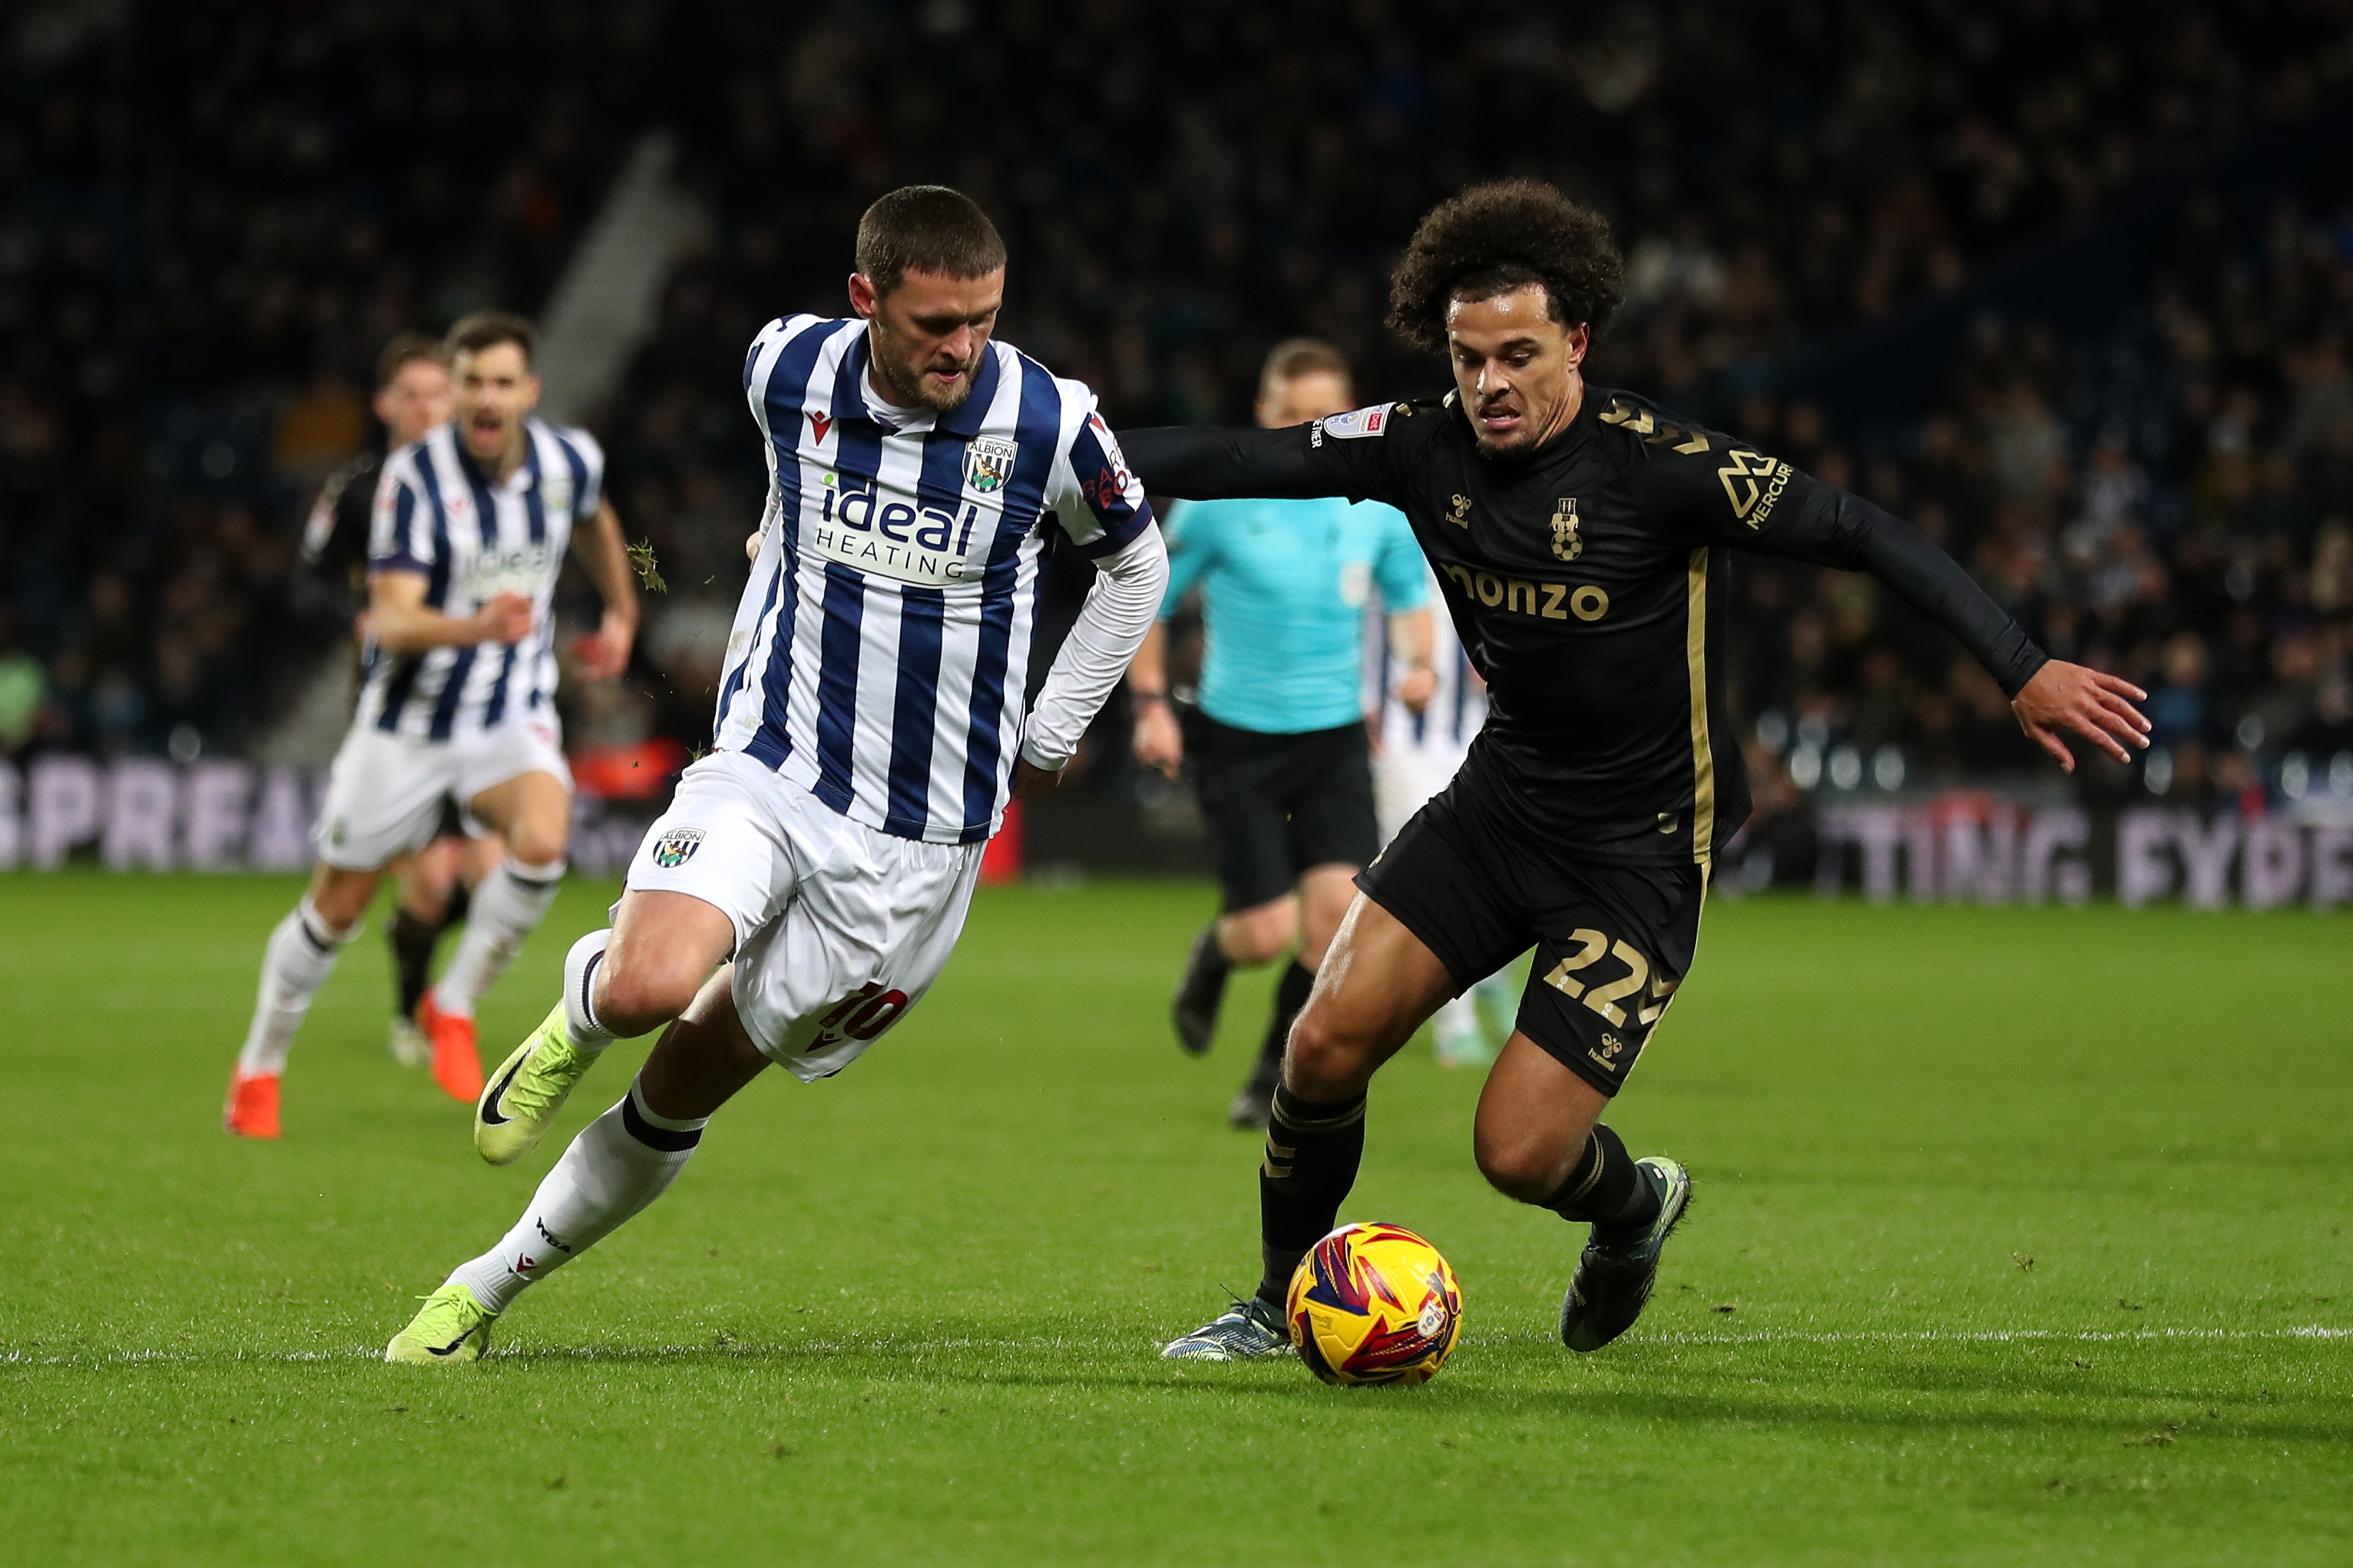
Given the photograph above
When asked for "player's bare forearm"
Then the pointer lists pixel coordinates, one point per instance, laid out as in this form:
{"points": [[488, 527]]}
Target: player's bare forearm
{"points": [[1410, 634], [605, 555], [2093, 704], [403, 625], [1157, 743]]}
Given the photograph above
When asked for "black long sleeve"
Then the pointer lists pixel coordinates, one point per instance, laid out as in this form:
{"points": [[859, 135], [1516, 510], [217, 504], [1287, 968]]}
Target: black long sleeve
{"points": [[1829, 526], [1210, 463], [1933, 583]]}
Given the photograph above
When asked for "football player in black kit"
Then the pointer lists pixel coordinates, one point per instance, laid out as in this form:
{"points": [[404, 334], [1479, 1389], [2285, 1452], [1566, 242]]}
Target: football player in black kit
{"points": [[1581, 536]]}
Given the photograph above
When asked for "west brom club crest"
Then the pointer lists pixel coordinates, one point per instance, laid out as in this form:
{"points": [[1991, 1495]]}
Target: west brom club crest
{"points": [[677, 846], [988, 463], [1565, 543]]}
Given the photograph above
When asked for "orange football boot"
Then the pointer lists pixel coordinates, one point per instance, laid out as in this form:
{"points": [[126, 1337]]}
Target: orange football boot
{"points": [[457, 1062], [252, 1108]]}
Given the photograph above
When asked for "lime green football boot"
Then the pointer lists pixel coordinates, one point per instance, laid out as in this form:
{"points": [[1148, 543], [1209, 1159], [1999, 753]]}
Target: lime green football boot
{"points": [[520, 1103], [451, 1327]]}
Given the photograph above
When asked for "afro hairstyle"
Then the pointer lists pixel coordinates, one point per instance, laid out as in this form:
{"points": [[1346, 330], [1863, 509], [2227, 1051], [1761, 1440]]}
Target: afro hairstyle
{"points": [[1494, 237]]}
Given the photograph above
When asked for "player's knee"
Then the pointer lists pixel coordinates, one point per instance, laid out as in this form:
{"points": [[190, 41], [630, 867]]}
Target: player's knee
{"points": [[537, 843], [1325, 1058], [1257, 936], [635, 996]]}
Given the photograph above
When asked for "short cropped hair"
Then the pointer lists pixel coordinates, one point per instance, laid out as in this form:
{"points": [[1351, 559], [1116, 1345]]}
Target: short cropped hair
{"points": [[926, 228], [488, 329], [1295, 357], [1495, 238], [405, 350]]}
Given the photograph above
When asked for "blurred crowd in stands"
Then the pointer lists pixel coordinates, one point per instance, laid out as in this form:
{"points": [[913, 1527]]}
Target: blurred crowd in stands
{"points": [[210, 219], [212, 216]]}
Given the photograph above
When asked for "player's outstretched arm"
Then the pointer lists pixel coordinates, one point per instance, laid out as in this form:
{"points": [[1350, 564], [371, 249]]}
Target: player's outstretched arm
{"points": [[1213, 463], [1756, 503], [2093, 703], [2048, 695], [404, 627], [605, 652]]}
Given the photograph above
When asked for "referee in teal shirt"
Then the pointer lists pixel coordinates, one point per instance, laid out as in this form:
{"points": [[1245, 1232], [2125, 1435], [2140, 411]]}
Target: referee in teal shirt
{"points": [[1279, 748]]}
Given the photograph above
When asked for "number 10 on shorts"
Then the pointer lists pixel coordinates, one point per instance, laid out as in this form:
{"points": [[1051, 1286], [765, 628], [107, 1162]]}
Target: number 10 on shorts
{"points": [[860, 1015]]}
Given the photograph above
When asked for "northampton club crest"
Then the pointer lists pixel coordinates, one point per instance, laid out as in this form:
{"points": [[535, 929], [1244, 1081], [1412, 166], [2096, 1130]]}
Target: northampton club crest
{"points": [[677, 846], [1565, 545], [988, 463]]}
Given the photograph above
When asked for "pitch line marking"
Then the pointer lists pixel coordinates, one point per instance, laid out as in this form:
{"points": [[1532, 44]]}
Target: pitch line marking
{"points": [[1993, 1336], [1761, 1337]]}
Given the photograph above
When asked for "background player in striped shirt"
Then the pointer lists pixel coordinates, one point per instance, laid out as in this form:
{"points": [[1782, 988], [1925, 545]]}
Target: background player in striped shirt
{"points": [[412, 396], [468, 535], [872, 723], [1417, 752]]}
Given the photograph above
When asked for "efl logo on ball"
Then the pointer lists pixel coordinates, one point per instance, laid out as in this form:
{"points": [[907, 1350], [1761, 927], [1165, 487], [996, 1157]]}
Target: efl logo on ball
{"points": [[1374, 1303]]}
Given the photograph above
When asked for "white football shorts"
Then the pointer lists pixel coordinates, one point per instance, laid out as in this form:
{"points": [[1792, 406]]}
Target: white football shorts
{"points": [[839, 927], [385, 792]]}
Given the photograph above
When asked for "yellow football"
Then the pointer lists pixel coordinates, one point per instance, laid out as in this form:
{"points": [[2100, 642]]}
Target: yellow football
{"points": [[1374, 1303]]}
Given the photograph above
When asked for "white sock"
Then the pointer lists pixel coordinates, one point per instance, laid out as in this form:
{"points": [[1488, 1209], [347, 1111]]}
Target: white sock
{"points": [[589, 1035], [301, 955], [506, 907], [620, 1162]]}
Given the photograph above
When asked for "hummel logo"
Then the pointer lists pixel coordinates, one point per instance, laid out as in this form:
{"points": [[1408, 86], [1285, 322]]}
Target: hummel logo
{"points": [[818, 425]]}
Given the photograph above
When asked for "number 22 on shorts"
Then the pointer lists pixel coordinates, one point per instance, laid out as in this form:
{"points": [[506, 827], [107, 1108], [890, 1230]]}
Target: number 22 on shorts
{"points": [[1604, 999]]}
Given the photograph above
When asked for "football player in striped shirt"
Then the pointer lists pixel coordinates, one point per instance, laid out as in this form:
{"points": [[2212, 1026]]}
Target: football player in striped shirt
{"points": [[469, 530], [872, 723], [412, 396]]}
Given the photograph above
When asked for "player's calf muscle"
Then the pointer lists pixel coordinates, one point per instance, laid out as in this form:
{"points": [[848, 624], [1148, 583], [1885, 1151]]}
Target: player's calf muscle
{"points": [[1534, 1117], [704, 1057]]}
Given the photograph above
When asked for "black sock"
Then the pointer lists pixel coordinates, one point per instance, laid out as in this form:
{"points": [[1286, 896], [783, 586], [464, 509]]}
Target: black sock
{"points": [[461, 898], [1607, 1190], [1311, 1155], [1290, 997], [412, 955]]}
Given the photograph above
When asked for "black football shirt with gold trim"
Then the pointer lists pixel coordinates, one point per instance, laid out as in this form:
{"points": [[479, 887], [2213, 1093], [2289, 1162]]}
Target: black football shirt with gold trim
{"points": [[1587, 582]]}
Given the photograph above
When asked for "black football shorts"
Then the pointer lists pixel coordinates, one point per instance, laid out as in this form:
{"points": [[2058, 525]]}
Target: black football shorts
{"points": [[1278, 804], [1612, 941]]}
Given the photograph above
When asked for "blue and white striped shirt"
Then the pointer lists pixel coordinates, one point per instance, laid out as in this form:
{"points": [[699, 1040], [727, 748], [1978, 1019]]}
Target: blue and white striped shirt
{"points": [[1443, 730], [473, 538], [880, 653]]}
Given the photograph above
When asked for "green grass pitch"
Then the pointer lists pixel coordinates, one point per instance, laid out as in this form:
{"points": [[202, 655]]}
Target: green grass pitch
{"points": [[2020, 1239]]}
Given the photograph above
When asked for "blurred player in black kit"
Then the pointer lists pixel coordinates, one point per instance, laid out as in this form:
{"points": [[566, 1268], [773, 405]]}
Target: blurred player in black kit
{"points": [[412, 396], [1580, 535]]}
